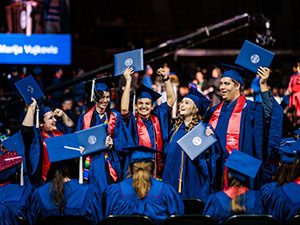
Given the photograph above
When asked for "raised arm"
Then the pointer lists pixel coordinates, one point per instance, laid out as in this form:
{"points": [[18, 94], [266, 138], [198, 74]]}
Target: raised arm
{"points": [[66, 120], [125, 100], [29, 117], [169, 90]]}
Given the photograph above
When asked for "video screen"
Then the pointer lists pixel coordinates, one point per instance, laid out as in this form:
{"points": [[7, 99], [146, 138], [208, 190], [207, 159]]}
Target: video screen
{"points": [[35, 32]]}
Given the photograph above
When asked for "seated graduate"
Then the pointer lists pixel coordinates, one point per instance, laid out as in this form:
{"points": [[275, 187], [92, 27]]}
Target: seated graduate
{"points": [[49, 123], [191, 178], [284, 156], [284, 203], [65, 194], [142, 194], [237, 199], [14, 193]]}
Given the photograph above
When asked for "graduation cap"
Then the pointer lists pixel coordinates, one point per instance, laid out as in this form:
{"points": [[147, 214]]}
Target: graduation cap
{"points": [[288, 150], [234, 72], [196, 141], [242, 165], [252, 56], [9, 165], [68, 146], [134, 59], [146, 92], [140, 153], [29, 88], [199, 99], [103, 84]]}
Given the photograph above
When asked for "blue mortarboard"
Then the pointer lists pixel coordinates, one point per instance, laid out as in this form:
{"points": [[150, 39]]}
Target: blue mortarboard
{"points": [[196, 141], [140, 153], [199, 99], [66, 147], [29, 88], [252, 56], [37, 70], [288, 150], [134, 59], [234, 72], [101, 87], [242, 164], [10, 163], [42, 111], [296, 132], [146, 92]]}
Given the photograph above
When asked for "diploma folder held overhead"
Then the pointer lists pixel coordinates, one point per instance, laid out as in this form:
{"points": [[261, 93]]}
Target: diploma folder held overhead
{"points": [[196, 141], [134, 59], [252, 56], [29, 88]]}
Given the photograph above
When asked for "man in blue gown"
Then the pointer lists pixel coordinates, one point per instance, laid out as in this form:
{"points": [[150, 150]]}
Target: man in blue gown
{"points": [[105, 167], [150, 125], [244, 125]]}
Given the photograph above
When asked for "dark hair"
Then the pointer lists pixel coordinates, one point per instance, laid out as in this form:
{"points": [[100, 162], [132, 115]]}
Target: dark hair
{"points": [[58, 172], [295, 169], [283, 174], [98, 95]]}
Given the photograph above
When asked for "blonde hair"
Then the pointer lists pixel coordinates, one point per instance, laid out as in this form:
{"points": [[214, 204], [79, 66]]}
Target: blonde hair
{"points": [[180, 120], [141, 175]]}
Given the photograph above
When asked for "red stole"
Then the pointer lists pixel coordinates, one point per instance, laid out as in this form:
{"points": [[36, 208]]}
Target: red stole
{"points": [[144, 140], [297, 180], [234, 124], [233, 129], [87, 118], [46, 162], [233, 192]]}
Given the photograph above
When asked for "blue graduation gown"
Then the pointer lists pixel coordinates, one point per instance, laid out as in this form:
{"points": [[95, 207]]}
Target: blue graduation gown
{"points": [[81, 200], [257, 138], [218, 205], [162, 112], [285, 202], [266, 192], [14, 198], [160, 202], [198, 175], [121, 139]]}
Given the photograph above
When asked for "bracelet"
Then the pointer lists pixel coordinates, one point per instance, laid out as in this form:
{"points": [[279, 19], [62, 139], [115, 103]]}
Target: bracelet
{"points": [[166, 79]]}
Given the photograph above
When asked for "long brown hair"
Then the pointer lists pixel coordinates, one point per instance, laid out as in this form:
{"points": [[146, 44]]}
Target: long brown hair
{"points": [[238, 203], [141, 175], [58, 173], [295, 170]]}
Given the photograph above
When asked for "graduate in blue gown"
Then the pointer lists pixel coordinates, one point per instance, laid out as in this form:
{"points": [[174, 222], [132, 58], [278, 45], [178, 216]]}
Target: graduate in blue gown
{"points": [[284, 202], [254, 128], [237, 198], [284, 156], [150, 125], [50, 123], [14, 189], [110, 162], [142, 194], [191, 178], [64, 195]]}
